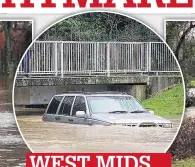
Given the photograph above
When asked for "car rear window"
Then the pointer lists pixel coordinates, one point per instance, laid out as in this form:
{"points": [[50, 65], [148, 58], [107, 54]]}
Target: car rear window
{"points": [[66, 105], [54, 105]]}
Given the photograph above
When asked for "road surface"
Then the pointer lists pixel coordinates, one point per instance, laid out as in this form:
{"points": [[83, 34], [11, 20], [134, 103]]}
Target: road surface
{"points": [[192, 91], [190, 112], [12, 146]]}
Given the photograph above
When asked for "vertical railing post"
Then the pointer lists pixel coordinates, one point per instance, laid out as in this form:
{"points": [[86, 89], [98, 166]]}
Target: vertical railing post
{"points": [[108, 59], [95, 54], [56, 59], [62, 61], [149, 57], [98, 58]]}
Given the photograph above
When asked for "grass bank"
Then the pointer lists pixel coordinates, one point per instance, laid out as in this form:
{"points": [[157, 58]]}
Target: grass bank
{"points": [[167, 104], [184, 163], [192, 83]]}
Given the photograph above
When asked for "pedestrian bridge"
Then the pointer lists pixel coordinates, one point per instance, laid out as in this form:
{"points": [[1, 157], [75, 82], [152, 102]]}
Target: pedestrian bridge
{"points": [[56, 66], [65, 59]]}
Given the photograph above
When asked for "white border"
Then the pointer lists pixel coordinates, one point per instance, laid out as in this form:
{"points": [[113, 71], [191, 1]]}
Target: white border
{"points": [[90, 11]]}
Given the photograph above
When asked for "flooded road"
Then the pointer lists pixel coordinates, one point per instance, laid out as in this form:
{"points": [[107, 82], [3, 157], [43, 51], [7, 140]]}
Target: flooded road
{"points": [[12, 146], [59, 137]]}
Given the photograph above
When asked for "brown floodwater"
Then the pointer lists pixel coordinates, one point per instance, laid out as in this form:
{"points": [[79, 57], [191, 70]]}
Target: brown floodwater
{"points": [[60, 137], [12, 146]]}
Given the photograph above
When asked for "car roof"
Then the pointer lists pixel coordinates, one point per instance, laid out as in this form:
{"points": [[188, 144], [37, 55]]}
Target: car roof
{"points": [[94, 94]]}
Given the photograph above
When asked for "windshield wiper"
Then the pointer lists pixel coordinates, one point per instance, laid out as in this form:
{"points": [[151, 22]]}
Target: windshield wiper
{"points": [[119, 111], [138, 111]]}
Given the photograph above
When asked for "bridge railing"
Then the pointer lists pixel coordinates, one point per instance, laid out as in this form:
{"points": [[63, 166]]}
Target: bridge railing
{"points": [[65, 58]]}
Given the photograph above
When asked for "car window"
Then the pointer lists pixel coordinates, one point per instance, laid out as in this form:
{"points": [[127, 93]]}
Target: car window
{"points": [[54, 105], [66, 105], [79, 105]]}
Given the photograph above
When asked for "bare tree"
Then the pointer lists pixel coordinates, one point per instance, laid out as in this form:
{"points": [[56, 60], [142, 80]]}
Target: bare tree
{"points": [[180, 35], [9, 64], [183, 36], [176, 34], [17, 35]]}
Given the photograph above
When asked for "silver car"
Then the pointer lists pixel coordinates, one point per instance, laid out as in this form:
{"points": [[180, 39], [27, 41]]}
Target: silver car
{"points": [[101, 109]]}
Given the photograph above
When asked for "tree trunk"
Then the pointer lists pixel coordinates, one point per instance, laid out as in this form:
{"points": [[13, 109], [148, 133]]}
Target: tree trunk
{"points": [[181, 40], [9, 69]]}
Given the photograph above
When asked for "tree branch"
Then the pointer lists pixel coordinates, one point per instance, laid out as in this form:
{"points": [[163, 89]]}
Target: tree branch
{"points": [[181, 40]]}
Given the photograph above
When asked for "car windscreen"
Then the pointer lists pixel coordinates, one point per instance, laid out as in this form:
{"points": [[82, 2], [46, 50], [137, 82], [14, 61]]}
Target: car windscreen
{"points": [[109, 104]]}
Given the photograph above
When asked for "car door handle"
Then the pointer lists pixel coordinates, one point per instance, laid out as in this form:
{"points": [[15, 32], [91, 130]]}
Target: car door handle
{"points": [[57, 118], [70, 120]]}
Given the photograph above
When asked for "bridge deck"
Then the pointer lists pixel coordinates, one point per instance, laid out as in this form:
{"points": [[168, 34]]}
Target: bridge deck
{"points": [[67, 58], [122, 79]]}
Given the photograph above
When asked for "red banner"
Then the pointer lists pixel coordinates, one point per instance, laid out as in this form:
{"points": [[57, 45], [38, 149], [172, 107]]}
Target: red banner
{"points": [[98, 160], [99, 4]]}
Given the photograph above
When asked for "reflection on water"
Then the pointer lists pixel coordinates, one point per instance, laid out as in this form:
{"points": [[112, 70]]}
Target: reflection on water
{"points": [[59, 137], [12, 146]]}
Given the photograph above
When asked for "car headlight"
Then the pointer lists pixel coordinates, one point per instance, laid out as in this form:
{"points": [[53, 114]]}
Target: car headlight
{"points": [[168, 125]]}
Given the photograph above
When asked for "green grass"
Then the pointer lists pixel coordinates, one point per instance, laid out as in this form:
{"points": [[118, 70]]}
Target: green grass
{"points": [[167, 104], [192, 83], [184, 163]]}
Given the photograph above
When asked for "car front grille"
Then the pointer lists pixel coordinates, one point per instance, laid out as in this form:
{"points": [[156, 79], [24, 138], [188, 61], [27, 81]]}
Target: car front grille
{"points": [[144, 125], [148, 125], [131, 125]]}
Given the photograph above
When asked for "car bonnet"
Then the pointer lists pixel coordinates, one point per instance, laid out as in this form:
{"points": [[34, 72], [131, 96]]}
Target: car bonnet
{"points": [[129, 118]]}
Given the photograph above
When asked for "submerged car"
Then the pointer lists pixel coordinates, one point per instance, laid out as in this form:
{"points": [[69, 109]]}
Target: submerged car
{"points": [[101, 109]]}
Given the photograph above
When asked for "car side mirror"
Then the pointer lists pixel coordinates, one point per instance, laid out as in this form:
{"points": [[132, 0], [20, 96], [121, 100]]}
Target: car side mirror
{"points": [[81, 114]]}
